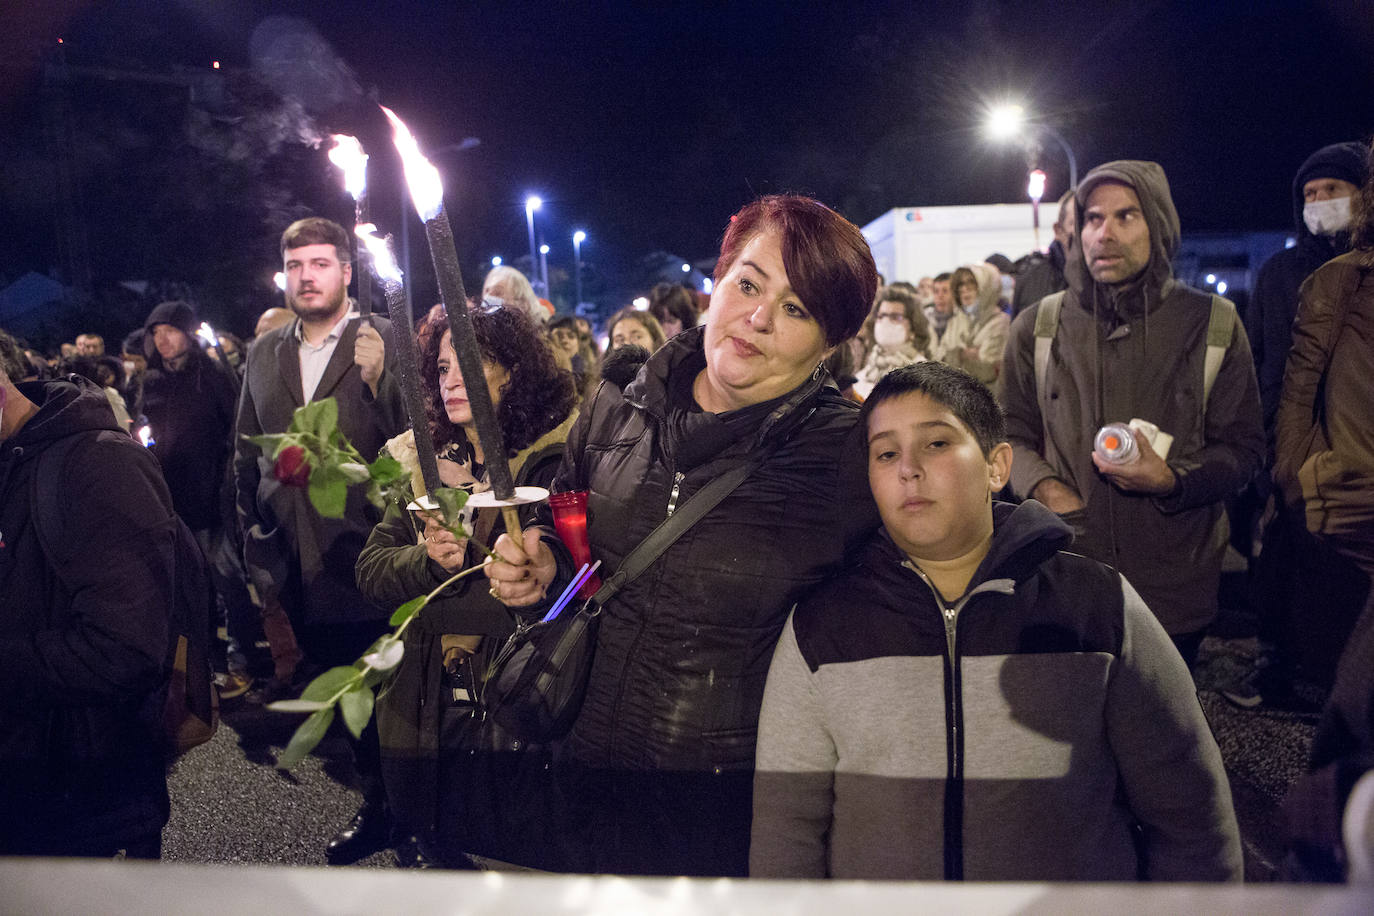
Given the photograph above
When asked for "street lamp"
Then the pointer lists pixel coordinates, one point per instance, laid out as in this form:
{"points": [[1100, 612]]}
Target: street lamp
{"points": [[532, 203], [1006, 122], [544, 268], [1035, 189], [578, 238], [496, 260]]}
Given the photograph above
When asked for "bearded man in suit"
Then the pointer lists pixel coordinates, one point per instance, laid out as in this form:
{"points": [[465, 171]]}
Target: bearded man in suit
{"points": [[296, 558]]}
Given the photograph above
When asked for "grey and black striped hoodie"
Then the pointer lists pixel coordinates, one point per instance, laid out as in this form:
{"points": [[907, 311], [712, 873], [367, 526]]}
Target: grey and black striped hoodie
{"points": [[1040, 728]]}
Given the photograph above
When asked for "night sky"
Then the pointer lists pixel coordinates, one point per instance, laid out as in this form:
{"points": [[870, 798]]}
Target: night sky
{"points": [[647, 124]]}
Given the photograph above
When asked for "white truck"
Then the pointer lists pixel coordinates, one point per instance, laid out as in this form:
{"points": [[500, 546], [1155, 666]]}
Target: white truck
{"points": [[914, 242]]}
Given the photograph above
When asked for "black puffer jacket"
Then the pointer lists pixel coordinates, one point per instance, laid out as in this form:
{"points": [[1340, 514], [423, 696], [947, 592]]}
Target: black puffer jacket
{"points": [[83, 634], [683, 651]]}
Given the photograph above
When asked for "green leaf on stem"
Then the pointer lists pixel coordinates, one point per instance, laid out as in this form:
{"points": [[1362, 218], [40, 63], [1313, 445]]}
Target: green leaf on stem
{"points": [[451, 501], [270, 443], [328, 491], [407, 611], [318, 418], [329, 683], [386, 470], [306, 737], [387, 655], [356, 706]]}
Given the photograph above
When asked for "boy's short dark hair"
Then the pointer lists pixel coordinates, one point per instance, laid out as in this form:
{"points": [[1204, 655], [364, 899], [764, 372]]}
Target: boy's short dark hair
{"points": [[315, 230], [962, 394]]}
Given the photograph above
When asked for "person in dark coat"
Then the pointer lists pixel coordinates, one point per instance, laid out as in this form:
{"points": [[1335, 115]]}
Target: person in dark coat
{"points": [[85, 624], [656, 775], [1044, 274], [297, 558], [189, 402], [420, 719]]}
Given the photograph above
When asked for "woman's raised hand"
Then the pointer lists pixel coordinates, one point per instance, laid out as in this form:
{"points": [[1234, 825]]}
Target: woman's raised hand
{"points": [[522, 576]]}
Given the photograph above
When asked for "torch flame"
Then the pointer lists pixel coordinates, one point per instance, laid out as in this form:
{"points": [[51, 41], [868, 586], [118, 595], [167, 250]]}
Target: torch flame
{"points": [[426, 187], [382, 260], [347, 153], [207, 334]]}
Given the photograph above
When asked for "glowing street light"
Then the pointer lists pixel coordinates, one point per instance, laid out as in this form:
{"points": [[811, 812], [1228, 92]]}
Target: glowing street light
{"points": [[686, 268], [532, 203], [1009, 121], [496, 260], [544, 268], [1005, 121], [578, 238], [1035, 189]]}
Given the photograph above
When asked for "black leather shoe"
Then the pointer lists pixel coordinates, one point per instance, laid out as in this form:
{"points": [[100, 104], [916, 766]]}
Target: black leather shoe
{"points": [[369, 831]]}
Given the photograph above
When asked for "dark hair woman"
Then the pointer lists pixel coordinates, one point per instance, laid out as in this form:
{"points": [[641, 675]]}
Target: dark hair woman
{"points": [[656, 775], [671, 305], [405, 558]]}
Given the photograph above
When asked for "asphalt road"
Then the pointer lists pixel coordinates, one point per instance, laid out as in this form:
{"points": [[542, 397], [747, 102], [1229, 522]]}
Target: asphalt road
{"points": [[231, 806]]}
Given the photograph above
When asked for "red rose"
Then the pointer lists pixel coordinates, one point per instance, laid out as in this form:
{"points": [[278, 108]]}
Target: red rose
{"points": [[293, 468]]}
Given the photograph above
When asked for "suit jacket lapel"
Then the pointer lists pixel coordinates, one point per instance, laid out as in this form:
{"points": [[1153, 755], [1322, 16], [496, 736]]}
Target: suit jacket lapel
{"points": [[289, 363], [340, 361]]}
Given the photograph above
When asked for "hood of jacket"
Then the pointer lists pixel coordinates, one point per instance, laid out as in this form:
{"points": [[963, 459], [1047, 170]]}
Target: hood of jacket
{"points": [[650, 392], [1346, 161], [989, 289], [1148, 181], [65, 406], [1023, 537]]}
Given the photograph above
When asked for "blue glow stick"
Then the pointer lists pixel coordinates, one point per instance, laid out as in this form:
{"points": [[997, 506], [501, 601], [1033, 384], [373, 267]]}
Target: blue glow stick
{"points": [[582, 576]]}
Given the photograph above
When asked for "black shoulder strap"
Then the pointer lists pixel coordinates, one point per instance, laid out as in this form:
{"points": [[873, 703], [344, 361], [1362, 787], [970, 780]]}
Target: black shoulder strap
{"points": [[672, 528]]}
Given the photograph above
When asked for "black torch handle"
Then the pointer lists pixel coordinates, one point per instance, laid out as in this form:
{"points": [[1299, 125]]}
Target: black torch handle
{"points": [[454, 297], [408, 367]]}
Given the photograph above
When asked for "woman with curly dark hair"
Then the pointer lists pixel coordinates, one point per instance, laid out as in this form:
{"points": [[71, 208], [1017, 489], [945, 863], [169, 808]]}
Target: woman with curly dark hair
{"points": [[406, 557]]}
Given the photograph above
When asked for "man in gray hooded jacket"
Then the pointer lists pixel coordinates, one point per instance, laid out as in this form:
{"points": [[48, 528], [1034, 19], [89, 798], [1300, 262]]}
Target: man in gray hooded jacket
{"points": [[1128, 342]]}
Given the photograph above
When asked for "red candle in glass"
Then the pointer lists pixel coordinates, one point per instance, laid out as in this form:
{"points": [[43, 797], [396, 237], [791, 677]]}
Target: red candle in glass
{"points": [[570, 520]]}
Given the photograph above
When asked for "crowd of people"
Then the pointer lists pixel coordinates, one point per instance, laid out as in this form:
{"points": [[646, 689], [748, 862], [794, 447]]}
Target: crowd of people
{"points": [[941, 625]]}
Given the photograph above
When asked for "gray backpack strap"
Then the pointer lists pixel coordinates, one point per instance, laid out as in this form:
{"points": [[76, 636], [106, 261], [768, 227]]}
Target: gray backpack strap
{"points": [[1219, 330], [1046, 326]]}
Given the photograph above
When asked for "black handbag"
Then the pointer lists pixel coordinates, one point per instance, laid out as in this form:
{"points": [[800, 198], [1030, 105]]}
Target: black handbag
{"points": [[534, 686]]}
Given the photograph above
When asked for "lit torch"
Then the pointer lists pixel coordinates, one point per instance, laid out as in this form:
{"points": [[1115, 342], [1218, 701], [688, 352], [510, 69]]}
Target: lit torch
{"points": [[407, 353], [427, 193], [347, 153]]}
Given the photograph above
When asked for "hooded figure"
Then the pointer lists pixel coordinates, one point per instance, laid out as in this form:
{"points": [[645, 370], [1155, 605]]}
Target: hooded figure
{"points": [[189, 402], [1275, 302], [1131, 348], [980, 353]]}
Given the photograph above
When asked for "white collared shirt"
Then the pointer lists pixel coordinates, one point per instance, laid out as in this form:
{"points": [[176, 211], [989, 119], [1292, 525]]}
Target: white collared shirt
{"points": [[314, 359]]}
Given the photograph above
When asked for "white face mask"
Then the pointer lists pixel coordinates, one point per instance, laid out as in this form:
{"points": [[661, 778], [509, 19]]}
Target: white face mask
{"points": [[889, 333], [1327, 217]]}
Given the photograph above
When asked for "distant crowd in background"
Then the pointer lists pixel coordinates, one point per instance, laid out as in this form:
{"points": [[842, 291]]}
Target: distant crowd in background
{"points": [[1081, 398]]}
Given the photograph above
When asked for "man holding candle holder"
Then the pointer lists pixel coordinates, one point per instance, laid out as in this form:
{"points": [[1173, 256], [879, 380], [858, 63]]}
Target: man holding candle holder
{"points": [[295, 556]]}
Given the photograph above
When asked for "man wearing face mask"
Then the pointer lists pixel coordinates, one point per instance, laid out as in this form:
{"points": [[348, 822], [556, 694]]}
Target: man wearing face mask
{"points": [[1296, 581], [1321, 211]]}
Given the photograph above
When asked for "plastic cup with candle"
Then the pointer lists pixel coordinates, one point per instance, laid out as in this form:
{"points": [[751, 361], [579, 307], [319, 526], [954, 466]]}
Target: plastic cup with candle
{"points": [[570, 520]]}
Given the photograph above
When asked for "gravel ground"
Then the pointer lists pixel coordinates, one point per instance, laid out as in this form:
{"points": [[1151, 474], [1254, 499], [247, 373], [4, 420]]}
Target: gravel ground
{"points": [[229, 805]]}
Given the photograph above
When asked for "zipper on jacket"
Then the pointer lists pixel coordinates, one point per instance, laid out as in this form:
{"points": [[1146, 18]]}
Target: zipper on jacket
{"points": [[954, 717], [672, 497]]}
